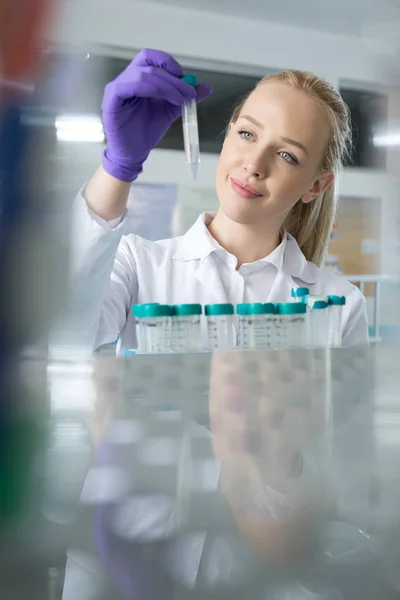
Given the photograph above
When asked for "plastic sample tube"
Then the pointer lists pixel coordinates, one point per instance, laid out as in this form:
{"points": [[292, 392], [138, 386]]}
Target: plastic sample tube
{"points": [[186, 328], [220, 325], [191, 130]]}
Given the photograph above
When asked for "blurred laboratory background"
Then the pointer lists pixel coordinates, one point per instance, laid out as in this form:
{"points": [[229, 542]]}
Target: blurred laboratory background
{"points": [[58, 495]]}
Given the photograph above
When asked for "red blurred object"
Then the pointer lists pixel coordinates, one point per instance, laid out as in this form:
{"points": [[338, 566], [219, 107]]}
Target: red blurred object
{"points": [[21, 24]]}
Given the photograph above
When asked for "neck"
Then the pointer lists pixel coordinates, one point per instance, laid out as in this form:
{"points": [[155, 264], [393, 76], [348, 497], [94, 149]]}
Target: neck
{"points": [[247, 243]]}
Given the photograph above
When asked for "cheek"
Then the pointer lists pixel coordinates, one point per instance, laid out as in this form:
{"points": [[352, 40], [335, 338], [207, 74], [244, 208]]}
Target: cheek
{"points": [[223, 165], [290, 186], [229, 156]]}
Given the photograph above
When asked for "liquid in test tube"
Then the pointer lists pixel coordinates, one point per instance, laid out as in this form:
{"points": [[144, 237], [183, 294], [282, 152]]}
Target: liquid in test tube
{"points": [[191, 130]]}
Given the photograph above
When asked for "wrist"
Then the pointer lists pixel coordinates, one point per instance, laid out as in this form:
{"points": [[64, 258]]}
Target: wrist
{"points": [[116, 168]]}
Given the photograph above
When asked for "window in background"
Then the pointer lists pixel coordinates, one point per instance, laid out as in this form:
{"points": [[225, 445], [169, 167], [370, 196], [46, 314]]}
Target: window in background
{"points": [[369, 111], [355, 246]]}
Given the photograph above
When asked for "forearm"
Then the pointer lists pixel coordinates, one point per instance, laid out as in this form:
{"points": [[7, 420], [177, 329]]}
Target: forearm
{"points": [[93, 253], [107, 196]]}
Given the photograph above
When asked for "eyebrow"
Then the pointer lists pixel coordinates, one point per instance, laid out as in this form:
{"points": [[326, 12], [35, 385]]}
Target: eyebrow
{"points": [[252, 120], [294, 143], [284, 139]]}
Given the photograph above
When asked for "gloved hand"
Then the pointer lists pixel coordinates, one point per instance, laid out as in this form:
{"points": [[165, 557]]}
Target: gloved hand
{"points": [[139, 106]]}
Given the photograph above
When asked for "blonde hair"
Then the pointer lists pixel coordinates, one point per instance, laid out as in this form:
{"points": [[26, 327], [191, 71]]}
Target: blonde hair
{"points": [[311, 224]]}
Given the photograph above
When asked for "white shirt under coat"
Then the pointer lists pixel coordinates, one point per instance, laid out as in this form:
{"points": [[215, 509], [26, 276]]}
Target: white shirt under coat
{"points": [[113, 269]]}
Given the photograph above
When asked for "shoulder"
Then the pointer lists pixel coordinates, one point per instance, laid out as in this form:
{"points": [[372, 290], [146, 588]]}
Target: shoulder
{"points": [[330, 284], [320, 281], [334, 284], [140, 252], [137, 243], [355, 322]]}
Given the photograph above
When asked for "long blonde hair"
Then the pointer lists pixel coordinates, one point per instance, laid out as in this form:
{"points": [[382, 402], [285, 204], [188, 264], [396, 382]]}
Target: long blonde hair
{"points": [[311, 224]]}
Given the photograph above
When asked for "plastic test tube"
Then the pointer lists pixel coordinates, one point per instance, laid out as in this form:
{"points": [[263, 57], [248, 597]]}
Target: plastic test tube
{"points": [[256, 325], [136, 310], [300, 294], [220, 325], [243, 325], [263, 325], [335, 310], [291, 325], [319, 321], [191, 130], [154, 328], [186, 328], [311, 299]]}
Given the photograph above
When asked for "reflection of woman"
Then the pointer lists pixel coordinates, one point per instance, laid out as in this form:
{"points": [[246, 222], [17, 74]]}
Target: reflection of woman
{"points": [[252, 518], [260, 430], [275, 186]]}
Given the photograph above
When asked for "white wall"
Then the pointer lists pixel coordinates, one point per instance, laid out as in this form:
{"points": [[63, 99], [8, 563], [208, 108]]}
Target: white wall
{"points": [[132, 24], [78, 161]]}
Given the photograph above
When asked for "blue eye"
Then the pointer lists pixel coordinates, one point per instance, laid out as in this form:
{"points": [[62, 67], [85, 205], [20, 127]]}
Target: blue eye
{"points": [[288, 158], [246, 135]]}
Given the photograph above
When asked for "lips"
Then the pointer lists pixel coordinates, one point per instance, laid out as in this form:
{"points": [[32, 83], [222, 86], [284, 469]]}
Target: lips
{"points": [[244, 190]]}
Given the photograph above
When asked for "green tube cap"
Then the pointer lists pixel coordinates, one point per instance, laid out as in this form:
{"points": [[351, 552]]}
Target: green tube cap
{"points": [[190, 79], [154, 310], [337, 300], [187, 310], [291, 308], [319, 304], [242, 309], [257, 308], [137, 309], [218, 309], [300, 292]]}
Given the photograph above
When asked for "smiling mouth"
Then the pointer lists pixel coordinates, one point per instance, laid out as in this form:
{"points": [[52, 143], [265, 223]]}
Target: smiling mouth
{"points": [[243, 190]]}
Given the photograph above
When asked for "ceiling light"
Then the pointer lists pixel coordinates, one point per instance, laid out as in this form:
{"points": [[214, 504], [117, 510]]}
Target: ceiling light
{"points": [[79, 128], [387, 140]]}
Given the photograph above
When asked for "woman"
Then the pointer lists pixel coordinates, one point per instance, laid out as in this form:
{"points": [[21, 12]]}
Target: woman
{"points": [[276, 191]]}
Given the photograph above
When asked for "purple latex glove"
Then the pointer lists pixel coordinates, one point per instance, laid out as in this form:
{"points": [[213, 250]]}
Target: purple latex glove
{"points": [[139, 106]]}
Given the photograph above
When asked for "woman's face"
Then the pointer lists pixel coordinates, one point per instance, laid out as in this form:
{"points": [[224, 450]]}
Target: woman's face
{"points": [[272, 155]]}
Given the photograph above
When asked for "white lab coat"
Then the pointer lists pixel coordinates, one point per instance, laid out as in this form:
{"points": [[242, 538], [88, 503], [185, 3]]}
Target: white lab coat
{"points": [[113, 269]]}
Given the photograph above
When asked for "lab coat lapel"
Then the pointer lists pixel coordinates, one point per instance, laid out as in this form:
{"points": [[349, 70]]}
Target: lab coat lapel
{"points": [[295, 272], [197, 244], [281, 289], [207, 274]]}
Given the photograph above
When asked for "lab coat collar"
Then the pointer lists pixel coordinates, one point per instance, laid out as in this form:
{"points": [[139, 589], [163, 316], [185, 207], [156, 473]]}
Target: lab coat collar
{"points": [[198, 244], [295, 264]]}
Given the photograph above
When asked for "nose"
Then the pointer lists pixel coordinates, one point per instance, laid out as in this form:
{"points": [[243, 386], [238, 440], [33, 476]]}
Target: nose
{"points": [[255, 164]]}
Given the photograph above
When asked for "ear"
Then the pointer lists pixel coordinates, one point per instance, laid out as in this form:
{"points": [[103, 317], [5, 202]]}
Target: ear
{"points": [[318, 187]]}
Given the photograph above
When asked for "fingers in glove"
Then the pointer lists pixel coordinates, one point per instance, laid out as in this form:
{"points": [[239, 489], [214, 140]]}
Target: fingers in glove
{"points": [[146, 82], [157, 58], [203, 91]]}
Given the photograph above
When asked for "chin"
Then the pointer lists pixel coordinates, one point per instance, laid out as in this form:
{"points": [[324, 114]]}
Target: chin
{"points": [[242, 211]]}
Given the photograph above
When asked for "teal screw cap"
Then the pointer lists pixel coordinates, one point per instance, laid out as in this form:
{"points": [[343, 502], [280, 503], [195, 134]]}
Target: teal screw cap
{"points": [[319, 304], [154, 310], [300, 292], [262, 309], [242, 309], [190, 79], [138, 308], [269, 308], [337, 300], [218, 309], [257, 308], [186, 310], [291, 308]]}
